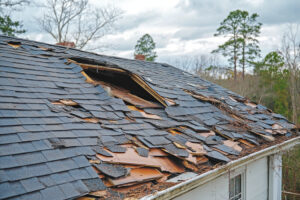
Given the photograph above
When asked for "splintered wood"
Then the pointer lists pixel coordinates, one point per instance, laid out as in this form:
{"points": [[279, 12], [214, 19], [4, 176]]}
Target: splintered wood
{"points": [[197, 149], [234, 145]]}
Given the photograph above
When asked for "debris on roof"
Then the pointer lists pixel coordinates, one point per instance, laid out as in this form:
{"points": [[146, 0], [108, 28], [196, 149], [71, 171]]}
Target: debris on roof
{"points": [[75, 124]]}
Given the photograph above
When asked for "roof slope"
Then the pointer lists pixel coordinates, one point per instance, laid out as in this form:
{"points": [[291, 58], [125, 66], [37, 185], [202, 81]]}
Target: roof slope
{"points": [[62, 137]]}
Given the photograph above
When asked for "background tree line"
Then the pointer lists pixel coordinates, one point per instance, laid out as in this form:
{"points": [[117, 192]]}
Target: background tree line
{"points": [[273, 80]]}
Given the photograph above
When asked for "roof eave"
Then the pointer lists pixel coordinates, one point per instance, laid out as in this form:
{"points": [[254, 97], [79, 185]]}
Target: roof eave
{"points": [[191, 184]]}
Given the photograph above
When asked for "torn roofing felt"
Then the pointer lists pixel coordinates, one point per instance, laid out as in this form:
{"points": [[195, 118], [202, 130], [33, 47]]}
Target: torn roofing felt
{"points": [[74, 123]]}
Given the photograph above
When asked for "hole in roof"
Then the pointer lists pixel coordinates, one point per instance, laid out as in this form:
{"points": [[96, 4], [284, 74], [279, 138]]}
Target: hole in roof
{"points": [[120, 83], [14, 44]]}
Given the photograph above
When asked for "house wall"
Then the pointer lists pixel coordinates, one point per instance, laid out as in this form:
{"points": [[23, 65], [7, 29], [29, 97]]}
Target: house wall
{"points": [[256, 184]]}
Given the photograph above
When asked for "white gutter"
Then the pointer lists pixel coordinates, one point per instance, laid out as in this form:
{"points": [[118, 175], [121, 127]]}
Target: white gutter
{"points": [[188, 185]]}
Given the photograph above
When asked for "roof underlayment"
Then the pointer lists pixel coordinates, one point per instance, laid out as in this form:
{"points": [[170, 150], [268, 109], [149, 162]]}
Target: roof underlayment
{"points": [[75, 124]]}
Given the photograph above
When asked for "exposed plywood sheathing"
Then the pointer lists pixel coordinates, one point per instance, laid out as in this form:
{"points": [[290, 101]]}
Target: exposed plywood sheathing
{"points": [[136, 176], [133, 76], [130, 98], [133, 158]]}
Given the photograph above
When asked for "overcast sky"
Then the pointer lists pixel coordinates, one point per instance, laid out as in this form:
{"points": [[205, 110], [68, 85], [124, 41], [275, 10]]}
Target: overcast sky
{"points": [[180, 27]]}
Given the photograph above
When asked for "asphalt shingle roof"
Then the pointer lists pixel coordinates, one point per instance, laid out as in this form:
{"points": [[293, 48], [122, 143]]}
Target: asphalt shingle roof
{"points": [[46, 149]]}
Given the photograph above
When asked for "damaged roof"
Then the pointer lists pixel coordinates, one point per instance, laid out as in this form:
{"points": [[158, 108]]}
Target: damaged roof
{"points": [[75, 124]]}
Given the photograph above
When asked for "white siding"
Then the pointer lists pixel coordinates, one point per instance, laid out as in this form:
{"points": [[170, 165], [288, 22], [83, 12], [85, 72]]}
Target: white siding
{"points": [[257, 180], [256, 176]]}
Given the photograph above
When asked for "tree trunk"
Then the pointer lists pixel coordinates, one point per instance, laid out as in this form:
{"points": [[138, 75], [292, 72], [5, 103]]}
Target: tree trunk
{"points": [[235, 72], [243, 61], [293, 93]]}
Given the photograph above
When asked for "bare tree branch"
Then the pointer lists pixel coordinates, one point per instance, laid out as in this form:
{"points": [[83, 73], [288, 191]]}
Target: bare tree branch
{"points": [[76, 21], [291, 52]]}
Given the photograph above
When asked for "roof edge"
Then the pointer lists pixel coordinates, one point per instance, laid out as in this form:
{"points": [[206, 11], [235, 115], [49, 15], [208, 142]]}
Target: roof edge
{"points": [[191, 184]]}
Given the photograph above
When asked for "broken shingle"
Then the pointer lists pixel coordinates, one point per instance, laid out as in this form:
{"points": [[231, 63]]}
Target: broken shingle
{"points": [[217, 156], [115, 171], [137, 175], [157, 140], [94, 184], [226, 149], [116, 148], [172, 149], [142, 151], [101, 151]]}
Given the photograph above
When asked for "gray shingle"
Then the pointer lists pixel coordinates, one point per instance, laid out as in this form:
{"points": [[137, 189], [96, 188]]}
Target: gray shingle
{"points": [[80, 174], [31, 196], [17, 187], [53, 192], [7, 162], [18, 173], [92, 172], [81, 161], [10, 149], [32, 184], [30, 158], [41, 145], [11, 138], [3, 176], [39, 169], [80, 187], [69, 190], [6, 191], [47, 181], [53, 154], [62, 177], [61, 165]]}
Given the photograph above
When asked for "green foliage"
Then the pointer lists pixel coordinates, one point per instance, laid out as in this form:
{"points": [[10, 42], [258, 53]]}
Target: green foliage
{"points": [[9, 27], [145, 46], [274, 79], [291, 172], [241, 29]]}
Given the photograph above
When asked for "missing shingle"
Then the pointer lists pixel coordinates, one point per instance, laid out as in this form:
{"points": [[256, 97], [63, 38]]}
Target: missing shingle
{"points": [[74, 109], [57, 143], [14, 44], [66, 102]]}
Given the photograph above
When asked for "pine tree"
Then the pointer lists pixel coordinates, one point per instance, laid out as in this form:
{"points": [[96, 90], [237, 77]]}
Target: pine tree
{"points": [[145, 46], [242, 45], [9, 27]]}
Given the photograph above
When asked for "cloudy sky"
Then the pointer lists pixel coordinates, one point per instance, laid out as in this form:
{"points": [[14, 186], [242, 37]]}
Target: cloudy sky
{"points": [[180, 27]]}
